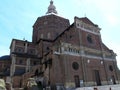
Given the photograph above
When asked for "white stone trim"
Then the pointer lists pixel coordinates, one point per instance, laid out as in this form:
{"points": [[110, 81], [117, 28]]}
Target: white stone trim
{"points": [[55, 52], [87, 30], [13, 46], [83, 26], [83, 55], [74, 50], [21, 65]]}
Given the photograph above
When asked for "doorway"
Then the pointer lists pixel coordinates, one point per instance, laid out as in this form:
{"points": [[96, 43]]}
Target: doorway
{"points": [[77, 81], [113, 80], [97, 77]]}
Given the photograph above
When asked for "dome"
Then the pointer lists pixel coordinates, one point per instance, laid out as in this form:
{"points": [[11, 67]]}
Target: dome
{"points": [[5, 57]]}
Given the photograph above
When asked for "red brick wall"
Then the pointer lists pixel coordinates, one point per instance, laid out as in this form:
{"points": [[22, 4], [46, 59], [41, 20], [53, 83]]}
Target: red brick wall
{"points": [[16, 81]]}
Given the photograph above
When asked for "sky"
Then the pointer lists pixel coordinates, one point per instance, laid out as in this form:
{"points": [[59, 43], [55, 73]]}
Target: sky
{"points": [[18, 16]]}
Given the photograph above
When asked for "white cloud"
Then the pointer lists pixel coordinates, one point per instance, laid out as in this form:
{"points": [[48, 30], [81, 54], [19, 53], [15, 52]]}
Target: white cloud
{"points": [[112, 19], [105, 5], [109, 9]]}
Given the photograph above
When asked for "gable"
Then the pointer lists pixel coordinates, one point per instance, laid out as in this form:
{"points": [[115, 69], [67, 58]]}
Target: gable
{"points": [[87, 21]]}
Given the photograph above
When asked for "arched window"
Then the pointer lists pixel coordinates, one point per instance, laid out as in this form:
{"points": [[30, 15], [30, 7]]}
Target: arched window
{"points": [[111, 68], [20, 61], [36, 72]]}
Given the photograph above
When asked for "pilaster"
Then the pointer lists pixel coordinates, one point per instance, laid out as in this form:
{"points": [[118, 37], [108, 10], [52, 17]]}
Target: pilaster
{"points": [[26, 46], [28, 64], [12, 70]]}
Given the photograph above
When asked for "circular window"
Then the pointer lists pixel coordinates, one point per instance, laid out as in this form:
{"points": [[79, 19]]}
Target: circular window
{"points": [[75, 65], [89, 39]]}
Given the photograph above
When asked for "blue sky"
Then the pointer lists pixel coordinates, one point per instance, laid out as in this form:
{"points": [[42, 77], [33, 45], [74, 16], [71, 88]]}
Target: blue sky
{"points": [[18, 16]]}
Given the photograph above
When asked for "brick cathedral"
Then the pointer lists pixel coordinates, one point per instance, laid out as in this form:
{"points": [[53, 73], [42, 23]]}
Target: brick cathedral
{"points": [[61, 54]]}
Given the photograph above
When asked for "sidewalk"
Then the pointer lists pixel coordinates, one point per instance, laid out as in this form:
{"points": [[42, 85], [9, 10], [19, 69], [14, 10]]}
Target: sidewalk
{"points": [[106, 87]]}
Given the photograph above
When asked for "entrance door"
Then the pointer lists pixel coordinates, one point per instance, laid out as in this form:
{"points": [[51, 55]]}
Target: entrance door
{"points": [[113, 79], [97, 77], [77, 81]]}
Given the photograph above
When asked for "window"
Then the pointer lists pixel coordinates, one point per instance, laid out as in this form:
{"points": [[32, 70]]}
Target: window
{"points": [[36, 72], [89, 39], [41, 35], [20, 61], [28, 44], [71, 36], [31, 51], [19, 49], [46, 65], [75, 65], [78, 24], [34, 63], [47, 48], [48, 35], [111, 68]]}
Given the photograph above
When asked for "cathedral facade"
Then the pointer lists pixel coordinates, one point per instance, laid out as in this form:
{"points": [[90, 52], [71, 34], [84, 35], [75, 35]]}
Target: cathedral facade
{"points": [[63, 54]]}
